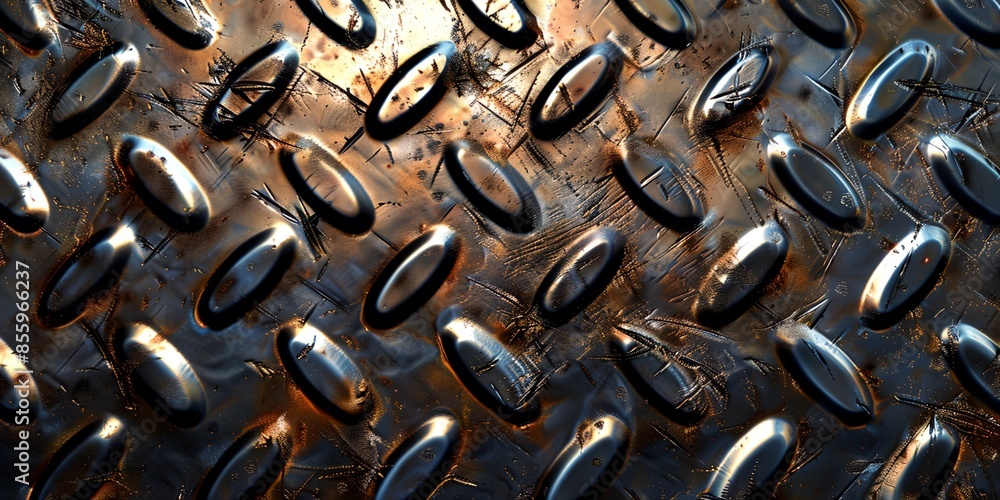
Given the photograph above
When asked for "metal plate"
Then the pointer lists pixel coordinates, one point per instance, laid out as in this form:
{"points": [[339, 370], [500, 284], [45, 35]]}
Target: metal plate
{"points": [[472, 249]]}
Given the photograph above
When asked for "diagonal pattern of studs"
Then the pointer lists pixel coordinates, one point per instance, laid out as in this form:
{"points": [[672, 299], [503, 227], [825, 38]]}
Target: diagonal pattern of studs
{"points": [[470, 249]]}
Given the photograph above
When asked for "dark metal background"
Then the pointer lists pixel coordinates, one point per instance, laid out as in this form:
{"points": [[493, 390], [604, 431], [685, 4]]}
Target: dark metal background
{"points": [[755, 255]]}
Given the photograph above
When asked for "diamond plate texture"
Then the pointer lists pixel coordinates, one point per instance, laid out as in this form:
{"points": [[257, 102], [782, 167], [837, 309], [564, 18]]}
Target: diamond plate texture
{"points": [[500, 249]]}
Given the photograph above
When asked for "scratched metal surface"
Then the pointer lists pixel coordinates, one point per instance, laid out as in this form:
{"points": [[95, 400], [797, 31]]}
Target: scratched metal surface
{"points": [[467, 249]]}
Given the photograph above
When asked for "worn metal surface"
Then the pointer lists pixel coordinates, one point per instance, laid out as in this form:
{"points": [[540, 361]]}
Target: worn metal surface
{"points": [[470, 249]]}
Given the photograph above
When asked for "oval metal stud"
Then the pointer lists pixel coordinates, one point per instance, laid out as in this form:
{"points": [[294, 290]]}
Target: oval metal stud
{"points": [[328, 187], [411, 92], [760, 455], [92, 88], [971, 355], [164, 183], [249, 467], [668, 386], [486, 368], [162, 375], [815, 182], [498, 192], [187, 22], [79, 467], [882, 102], [736, 86], [739, 276], [928, 458], [247, 276], [825, 373], [250, 90], [411, 278], [422, 460], [29, 23], [91, 271], [659, 187], [510, 23], [667, 22], [323, 372], [905, 276], [598, 449], [580, 276], [347, 22], [826, 21], [25, 207], [575, 91], [966, 174], [979, 19]]}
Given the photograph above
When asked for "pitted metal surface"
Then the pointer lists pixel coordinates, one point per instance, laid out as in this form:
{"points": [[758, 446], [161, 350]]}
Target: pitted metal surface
{"points": [[472, 249]]}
